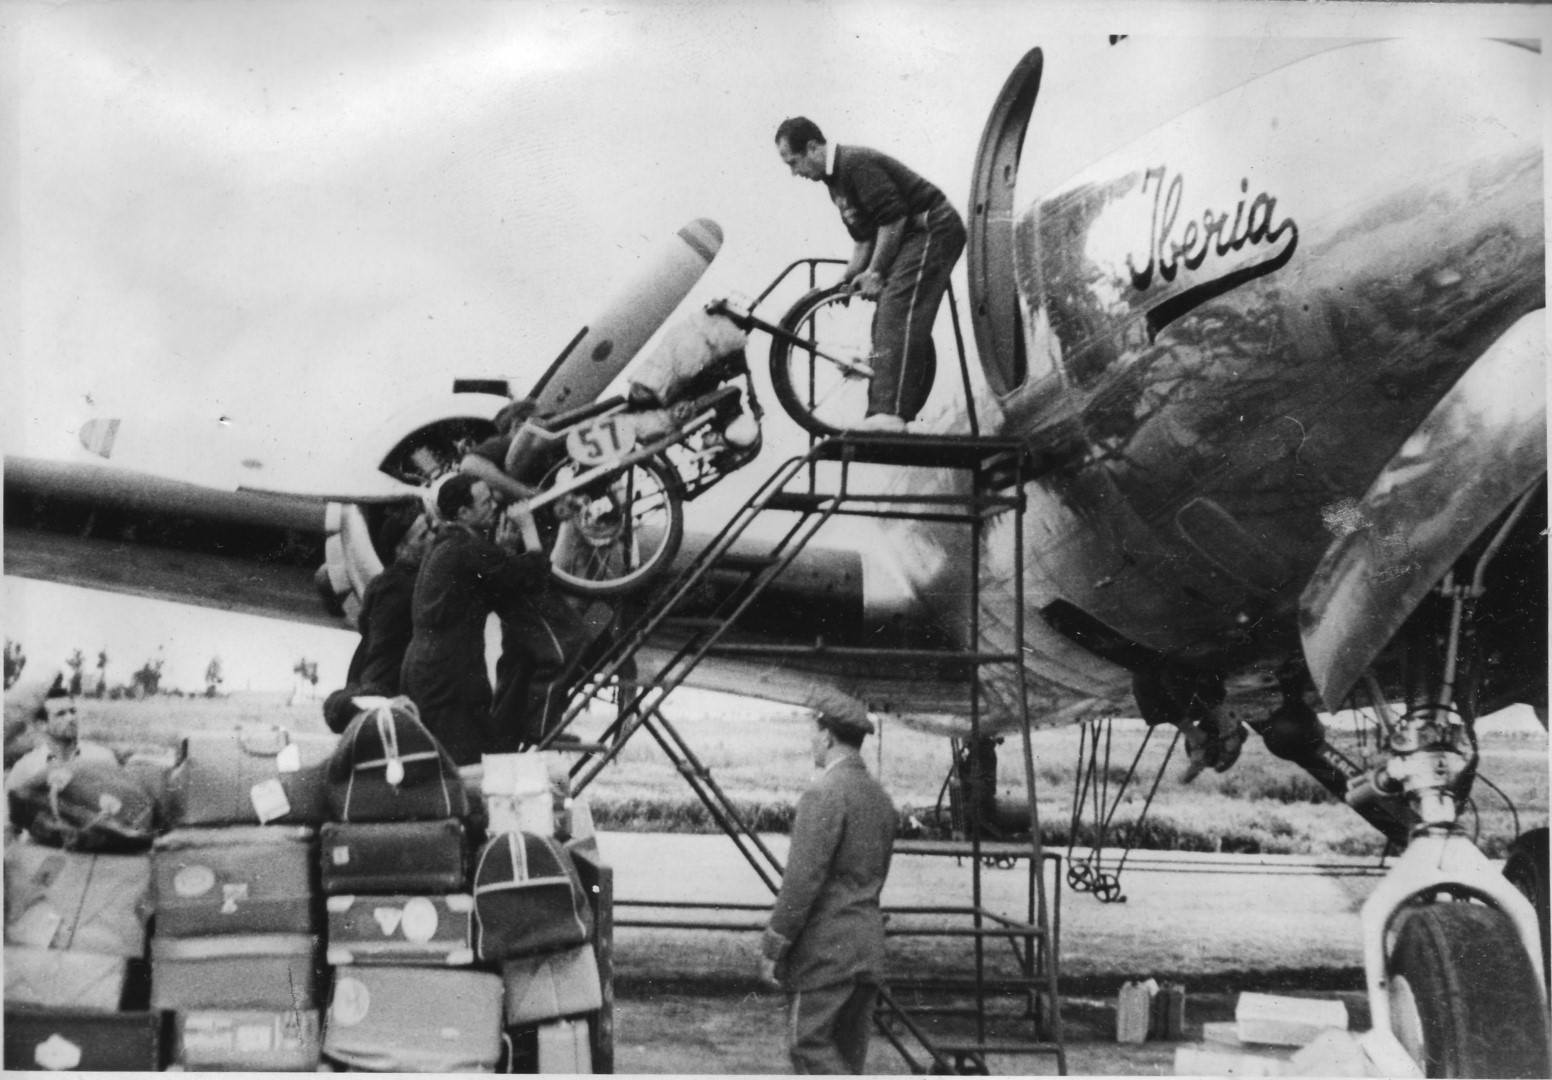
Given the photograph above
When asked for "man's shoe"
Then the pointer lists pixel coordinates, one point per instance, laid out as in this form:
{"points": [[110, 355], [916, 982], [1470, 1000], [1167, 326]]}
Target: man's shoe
{"points": [[883, 423]]}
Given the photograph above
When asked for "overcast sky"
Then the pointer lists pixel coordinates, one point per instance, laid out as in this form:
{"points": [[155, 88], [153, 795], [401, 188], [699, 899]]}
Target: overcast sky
{"points": [[301, 217]]}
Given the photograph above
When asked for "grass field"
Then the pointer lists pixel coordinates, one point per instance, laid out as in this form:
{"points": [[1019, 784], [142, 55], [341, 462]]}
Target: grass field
{"points": [[761, 762]]}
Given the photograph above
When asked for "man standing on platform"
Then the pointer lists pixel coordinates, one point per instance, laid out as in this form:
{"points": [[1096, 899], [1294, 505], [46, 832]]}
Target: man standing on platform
{"points": [[825, 941], [907, 239]]}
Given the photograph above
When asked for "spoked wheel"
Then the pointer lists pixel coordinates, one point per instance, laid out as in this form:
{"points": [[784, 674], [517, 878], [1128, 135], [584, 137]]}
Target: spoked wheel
{"points": [[612, 537], [1463, 994], [1526, 869], [813, 383]]}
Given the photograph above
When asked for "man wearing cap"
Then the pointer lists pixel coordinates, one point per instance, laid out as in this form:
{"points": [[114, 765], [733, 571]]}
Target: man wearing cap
{"points": [[825, 941]]}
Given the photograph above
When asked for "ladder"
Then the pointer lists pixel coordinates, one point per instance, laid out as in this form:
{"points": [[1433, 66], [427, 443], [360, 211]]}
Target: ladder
{"points": [[814, 488]]}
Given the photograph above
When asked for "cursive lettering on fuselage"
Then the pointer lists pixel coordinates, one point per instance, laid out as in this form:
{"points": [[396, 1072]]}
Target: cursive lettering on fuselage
{"points": [[1212, 233]]}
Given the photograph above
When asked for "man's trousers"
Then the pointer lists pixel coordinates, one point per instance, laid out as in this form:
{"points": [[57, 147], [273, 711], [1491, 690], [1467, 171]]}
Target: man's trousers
{"points": [[827, 1029], [903, 359]]}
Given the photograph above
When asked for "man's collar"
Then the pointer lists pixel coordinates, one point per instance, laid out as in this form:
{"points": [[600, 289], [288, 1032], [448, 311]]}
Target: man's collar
{"points": [[841, 759], [829, 160]]}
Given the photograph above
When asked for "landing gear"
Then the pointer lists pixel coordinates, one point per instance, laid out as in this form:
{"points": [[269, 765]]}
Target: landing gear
{"points": [[1463, 994]]}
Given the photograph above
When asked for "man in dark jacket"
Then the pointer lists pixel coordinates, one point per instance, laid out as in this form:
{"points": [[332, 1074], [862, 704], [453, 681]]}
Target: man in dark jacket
{"points": [[825, 940], [907, 239], [462, 580], [386, 621]]}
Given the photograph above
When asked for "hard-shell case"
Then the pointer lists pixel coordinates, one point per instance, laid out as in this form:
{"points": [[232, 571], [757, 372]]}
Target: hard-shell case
{"points": [[235, 971], [81, 1040], [564, 1047], [248, 1040], [72, 900], [402, 930], [414, 1019], [388, 858], [251, 775], [244, 879], [540, 988]]}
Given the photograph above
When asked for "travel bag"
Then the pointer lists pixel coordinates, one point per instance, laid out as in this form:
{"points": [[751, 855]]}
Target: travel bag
{"points": [[251, 775], [64, 978], [234, 971], [540, 988], [244, 879], [565, 1047], [81, 1040], [414, 1019], [87, 806], [248, 1040], [527, 898], [75, 900], [389, 767], [394, 857], [401, 930]]}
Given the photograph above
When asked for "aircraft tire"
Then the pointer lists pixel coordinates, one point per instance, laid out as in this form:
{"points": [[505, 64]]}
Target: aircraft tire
{"points": [[1526, 869], [1463, 994], [657, 490]]}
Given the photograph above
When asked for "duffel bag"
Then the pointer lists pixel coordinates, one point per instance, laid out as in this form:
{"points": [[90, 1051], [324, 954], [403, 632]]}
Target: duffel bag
{"points": [[528, 898], [75, 900], [389, 767], [540, 988], [251, 775], [87, 806]]}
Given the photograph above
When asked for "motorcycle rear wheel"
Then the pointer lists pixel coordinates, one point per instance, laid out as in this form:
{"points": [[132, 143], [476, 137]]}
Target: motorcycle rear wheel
{"points": [[614, 536]]}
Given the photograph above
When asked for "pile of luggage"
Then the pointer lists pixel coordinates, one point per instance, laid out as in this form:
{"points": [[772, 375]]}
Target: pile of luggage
{"points": [[291, 902]]}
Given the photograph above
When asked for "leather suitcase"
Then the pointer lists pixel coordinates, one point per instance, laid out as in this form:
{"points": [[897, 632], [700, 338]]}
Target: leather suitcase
{"points": [[246, 879], [540, 988], [64, 978], [248, 1040], [78, 1040], [564, 1047], [70, 900], [234, 971], [394, 858], [414, 1019], [389, 767], [528, 898], [251, 775], [433, 931]]}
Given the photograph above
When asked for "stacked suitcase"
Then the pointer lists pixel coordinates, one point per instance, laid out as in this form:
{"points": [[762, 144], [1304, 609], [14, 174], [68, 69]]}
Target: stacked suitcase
{"points": [[394, 865], [236, 940], [75, 942], [314, 901]]}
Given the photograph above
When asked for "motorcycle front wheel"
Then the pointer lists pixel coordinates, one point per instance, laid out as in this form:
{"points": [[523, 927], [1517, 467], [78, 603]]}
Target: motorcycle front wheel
{"points": [[615, 535]]}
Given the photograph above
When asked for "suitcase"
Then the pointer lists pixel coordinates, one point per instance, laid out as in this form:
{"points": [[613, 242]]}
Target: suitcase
{"points": [[248, 1040], [246, 879], [72, 900], [401, 930], [527, 898], [251, 775], [389, 767], [394, 858], [60, 1040], [540, 988], [87, 806], [564, 1047], [414, 1019], [234, 971], [64, 978]]}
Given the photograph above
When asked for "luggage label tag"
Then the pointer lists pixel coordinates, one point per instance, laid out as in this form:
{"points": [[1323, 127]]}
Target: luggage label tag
{"points": [[352, 1001], [289, 759], [56, 1054], [231, 893], [269, 798]]}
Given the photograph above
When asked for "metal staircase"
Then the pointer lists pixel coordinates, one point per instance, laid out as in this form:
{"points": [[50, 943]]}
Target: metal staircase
{"points": [[957, 1023]]}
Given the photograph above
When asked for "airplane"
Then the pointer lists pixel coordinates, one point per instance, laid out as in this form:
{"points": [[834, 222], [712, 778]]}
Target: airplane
{"points": [[1276, 339]]}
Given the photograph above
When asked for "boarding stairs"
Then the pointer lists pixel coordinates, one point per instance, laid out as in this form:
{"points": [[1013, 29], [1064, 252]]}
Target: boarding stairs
{"points": [[955, 1024]]}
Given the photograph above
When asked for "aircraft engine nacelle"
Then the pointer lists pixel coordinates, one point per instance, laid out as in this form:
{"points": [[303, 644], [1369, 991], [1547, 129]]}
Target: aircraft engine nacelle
{"points": [[416, 446]]}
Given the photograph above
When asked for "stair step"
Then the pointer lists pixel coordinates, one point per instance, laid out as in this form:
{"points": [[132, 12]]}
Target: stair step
{"points": [[800, 501]]}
